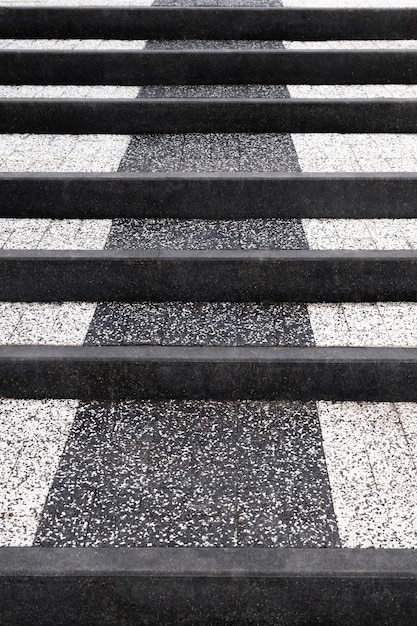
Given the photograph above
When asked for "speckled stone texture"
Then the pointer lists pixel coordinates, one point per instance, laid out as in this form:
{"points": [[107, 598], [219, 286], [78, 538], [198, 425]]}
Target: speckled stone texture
{"points": [[232, 152], [177, 234], [200, 324], [191, 474]]}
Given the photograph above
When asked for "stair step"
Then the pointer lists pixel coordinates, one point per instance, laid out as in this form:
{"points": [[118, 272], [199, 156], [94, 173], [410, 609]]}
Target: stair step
{"points": [[207, 23], [217, 373], [177, 585], [208, 275], [207, 115], [207, 196], [194, 67]]}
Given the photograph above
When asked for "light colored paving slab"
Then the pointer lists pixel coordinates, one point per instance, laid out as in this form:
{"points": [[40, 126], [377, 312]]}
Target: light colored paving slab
{"points": [[48, 234], [32, 437], [353, 91], [61, 153], [389, 324], [379, 4], [76, 3], [376, 234], [334, 152], [72, 44], [349, 44], [69, 91], [371, 460], [58, 323]]}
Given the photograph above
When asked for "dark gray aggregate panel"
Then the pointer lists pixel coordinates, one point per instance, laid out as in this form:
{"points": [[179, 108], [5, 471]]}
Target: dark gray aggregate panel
{"points": [[177, 323], [171, 234], [211, 152], [191, 474]]}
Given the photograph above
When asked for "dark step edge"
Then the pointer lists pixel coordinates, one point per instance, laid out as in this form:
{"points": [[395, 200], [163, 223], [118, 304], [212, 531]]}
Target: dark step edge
{"points": [[208, 275], [206, 23], [207, 585], [207, 115], [208, 196], [110, 373], [209, 562], [193, 67]]}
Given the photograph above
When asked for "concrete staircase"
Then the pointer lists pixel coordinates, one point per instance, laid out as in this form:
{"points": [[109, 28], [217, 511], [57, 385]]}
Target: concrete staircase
{"points": [[208, 585]]}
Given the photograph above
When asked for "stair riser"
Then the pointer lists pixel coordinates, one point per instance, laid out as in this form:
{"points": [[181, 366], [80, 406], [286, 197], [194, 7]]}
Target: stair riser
{"points": [[207, 23], [373, 374], [207, 116], [208, 196], [90, 601], [208, 276], [206, 68]]}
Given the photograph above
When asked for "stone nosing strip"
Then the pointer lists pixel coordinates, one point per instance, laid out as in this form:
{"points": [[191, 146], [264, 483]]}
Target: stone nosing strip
{"points": [[207, 195], [209, 562], [207, 115], [210, 354], [208, 255]]}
